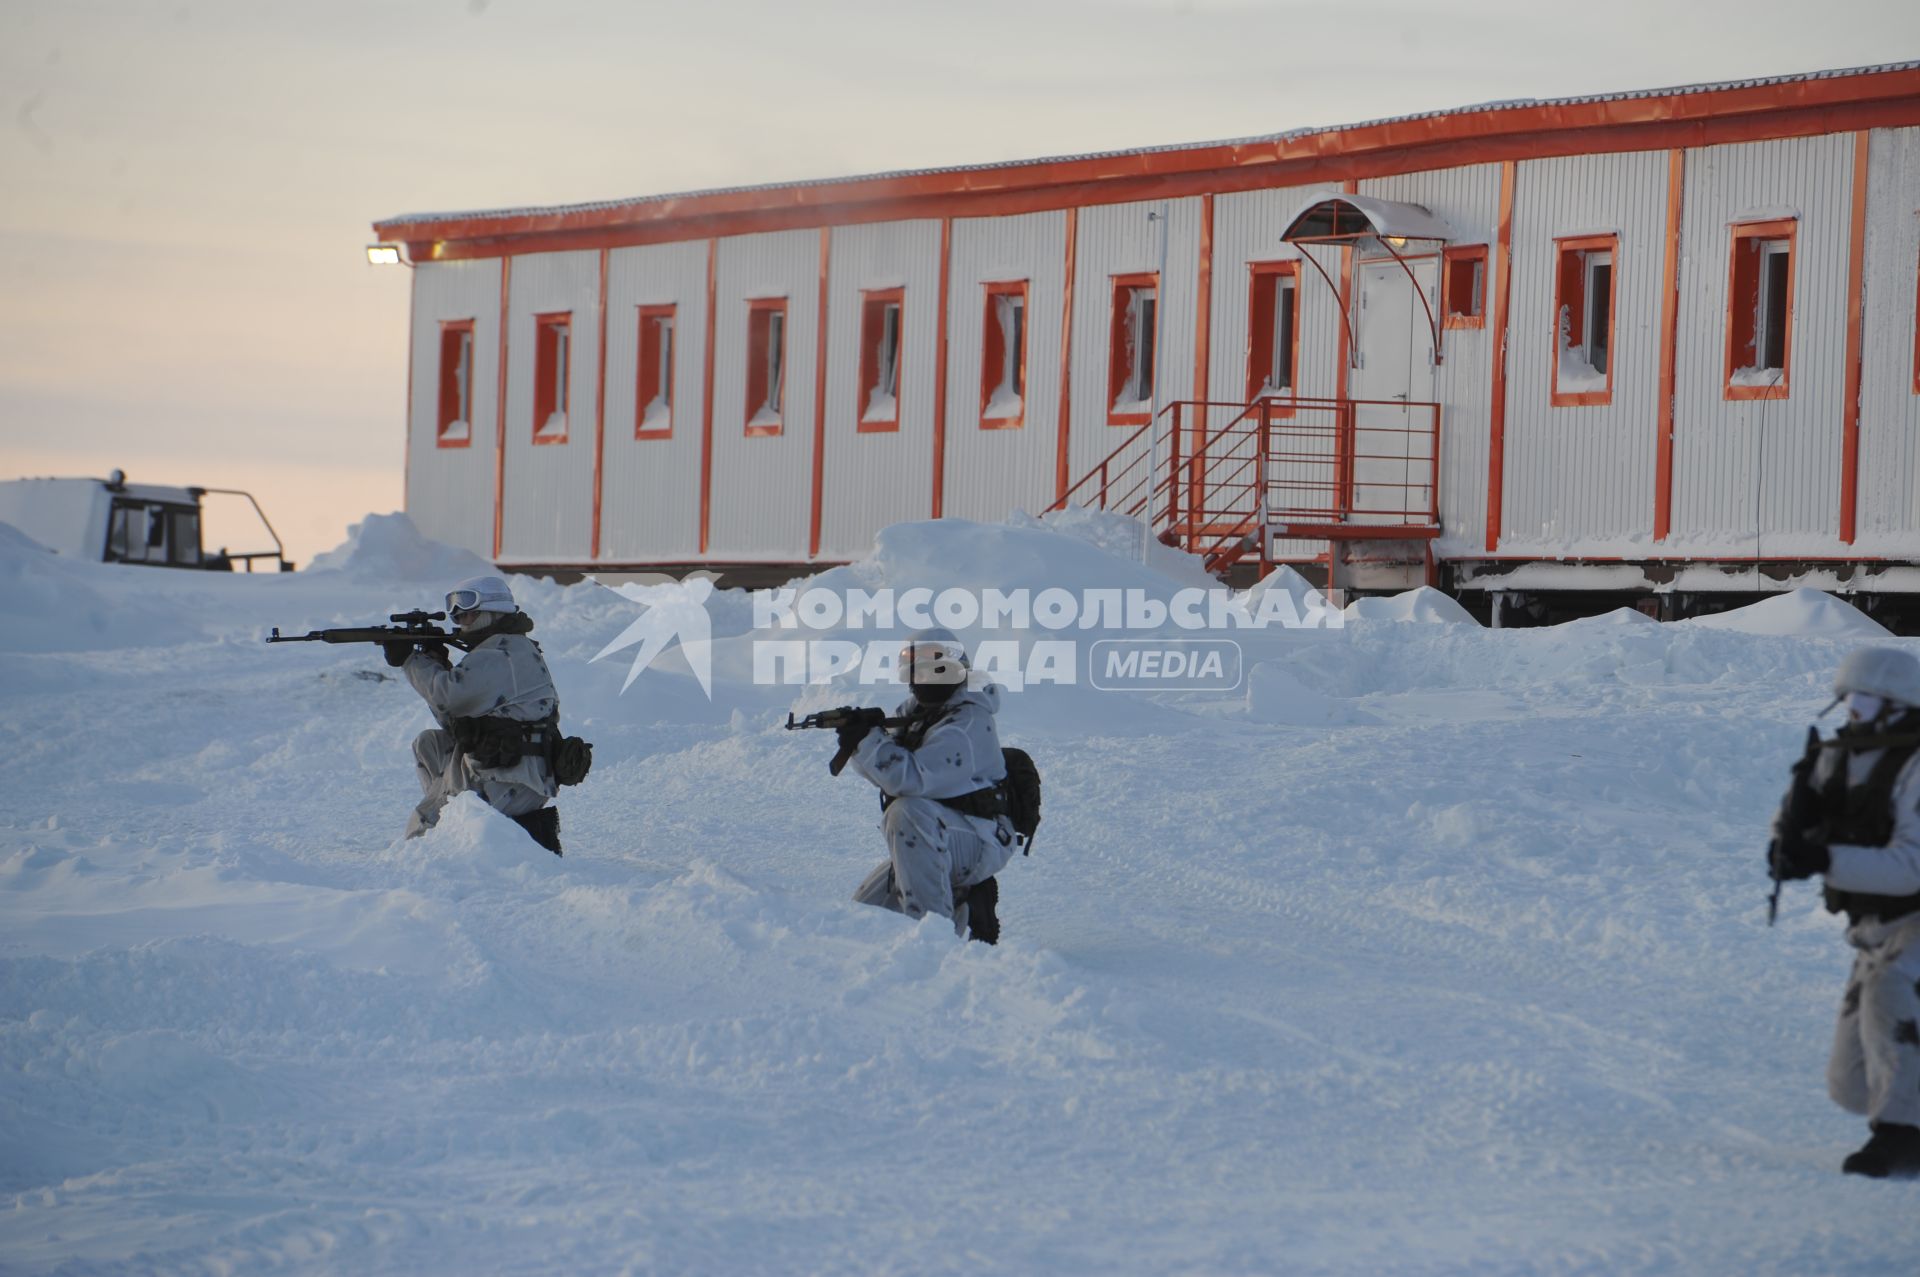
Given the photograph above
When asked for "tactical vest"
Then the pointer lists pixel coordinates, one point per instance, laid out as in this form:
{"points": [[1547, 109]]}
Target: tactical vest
{"points": [[1862, 815], [989, 803]]}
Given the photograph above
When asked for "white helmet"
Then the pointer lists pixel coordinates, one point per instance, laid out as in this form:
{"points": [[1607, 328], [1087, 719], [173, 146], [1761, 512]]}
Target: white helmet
{"points": [[481, 594], [934, 663], [1886, 672]]}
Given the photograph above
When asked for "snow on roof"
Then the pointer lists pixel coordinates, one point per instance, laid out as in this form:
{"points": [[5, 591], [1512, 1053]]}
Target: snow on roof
{"points": [[395, 223]]}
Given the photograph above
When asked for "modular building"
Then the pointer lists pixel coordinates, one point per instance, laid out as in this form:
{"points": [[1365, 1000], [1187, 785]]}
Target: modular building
{"points": [[1653, 343]]}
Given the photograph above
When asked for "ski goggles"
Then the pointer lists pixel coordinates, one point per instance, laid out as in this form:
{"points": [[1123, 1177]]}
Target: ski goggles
{"points": [[463, 600], [1864, 707]]}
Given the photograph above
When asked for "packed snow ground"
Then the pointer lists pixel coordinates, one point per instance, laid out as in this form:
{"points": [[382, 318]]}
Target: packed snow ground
{"points": [[1432, 950]]}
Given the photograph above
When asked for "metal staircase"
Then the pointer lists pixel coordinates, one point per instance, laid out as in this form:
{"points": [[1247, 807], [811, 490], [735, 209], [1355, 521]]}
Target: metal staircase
{"points": [[1275, 477]]}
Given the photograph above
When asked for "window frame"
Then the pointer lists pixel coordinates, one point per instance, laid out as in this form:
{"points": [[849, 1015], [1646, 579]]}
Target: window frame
{"points": [[761, 312], [1741, 323], [552, 375], [1120, 342], [1916, 327], [449, 387], [1579, 310], [648, 371], [993, 351], [1263, 282], [873, 311], [1475, 257]]}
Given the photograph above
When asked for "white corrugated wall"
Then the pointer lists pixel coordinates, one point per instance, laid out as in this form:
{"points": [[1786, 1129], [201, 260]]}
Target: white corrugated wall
{"points": [[1889, 509], [1468, 200], [450, 490], [1580, 480], [1779, 458], [547, 506], [1126, 239], [990, 472], [1246, 229], [762, 491], [650, 489], [878, 478]]}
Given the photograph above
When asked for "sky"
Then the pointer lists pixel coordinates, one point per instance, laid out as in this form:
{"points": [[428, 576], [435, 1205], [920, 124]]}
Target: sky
{"points": [[186, 188]]}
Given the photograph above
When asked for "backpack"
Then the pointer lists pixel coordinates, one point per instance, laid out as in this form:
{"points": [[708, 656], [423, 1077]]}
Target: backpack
{"points": [[1023, 795]]}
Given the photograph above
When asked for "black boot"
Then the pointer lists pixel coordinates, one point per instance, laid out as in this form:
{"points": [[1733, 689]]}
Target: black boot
{"points": [[543, 826], [983, 923], [1894, 1151]]}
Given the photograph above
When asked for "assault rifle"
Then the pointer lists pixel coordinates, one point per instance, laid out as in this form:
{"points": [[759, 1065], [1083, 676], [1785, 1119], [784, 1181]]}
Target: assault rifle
{"points": [[1802, 811], [846, 716], [407, 627]]}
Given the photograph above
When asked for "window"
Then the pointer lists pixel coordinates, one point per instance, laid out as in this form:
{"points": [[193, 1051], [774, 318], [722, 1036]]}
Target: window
{"points": [[1273, 331], [1003, 358], [551, 365], [1583, 320], [653, 395], [880, 359], [141, 533], [1760, 310], [766, 365], [1131, 357], [453, 419], [1463, 287]]}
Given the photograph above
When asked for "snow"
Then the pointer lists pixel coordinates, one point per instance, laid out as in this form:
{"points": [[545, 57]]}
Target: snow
{"points": [[881, 407], [1806, 612], [553, 428], [1577, 376], [767, 415], [1433, 949], [456, 432], [1004, 405], [1751, 377], [1424, 604], [658, 414]]}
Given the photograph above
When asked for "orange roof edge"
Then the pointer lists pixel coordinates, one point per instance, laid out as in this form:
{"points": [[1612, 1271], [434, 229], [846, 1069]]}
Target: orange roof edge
{"points": [[837, 197]]}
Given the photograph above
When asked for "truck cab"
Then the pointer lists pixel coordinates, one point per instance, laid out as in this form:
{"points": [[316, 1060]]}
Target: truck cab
{"points": [[110, 520]]}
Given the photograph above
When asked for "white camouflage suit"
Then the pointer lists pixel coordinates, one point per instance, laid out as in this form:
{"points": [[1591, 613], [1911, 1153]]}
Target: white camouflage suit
{"points": [[932, 850], [504, 676], [1875, 1066]]}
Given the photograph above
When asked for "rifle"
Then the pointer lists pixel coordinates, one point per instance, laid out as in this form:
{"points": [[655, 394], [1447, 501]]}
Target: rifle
{"points": [[1802, 810], [845, 716], [407, 627]]}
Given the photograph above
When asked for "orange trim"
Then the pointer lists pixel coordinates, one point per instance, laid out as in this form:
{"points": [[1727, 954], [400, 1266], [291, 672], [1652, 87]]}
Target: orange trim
{"points": [[1570, 296], [1704, 117], [1850, 410], [993, 351], [1202, 352], [759, 339], [1916, 332], [940, 371], [500, 426], [1262, 283], [1459, 266], [447, 404], [706, 412], [552, 393], [599, 408], [1497, 393], [648, 371], [820, 399], [873, 304], [1669, 342], [1064, 426], [1743, 302], [1122, 358]]}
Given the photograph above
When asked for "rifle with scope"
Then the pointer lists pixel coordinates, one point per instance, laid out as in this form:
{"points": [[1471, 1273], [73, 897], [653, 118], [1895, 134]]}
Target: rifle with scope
{"points": [[408, 627]]}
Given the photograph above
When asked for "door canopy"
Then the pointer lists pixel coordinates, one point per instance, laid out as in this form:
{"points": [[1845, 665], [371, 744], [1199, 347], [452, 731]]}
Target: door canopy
{"points": [[1354, 221], [1346, 219]]}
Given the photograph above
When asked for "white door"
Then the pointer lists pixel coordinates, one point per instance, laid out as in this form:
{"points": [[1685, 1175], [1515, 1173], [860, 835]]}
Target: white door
{"points": [[1392, 447]]}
